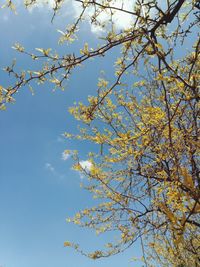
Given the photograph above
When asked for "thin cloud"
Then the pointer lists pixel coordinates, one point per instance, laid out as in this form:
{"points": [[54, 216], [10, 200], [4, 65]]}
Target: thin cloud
{"points": [[65, 155], [49, 167], [60, 139]]}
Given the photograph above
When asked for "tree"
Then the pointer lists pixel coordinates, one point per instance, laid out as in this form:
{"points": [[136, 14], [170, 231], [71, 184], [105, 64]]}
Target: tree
{"points": [[145, 174]]}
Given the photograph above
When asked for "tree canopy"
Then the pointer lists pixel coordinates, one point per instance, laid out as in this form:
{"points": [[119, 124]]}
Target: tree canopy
{"points": [[145, 174]]}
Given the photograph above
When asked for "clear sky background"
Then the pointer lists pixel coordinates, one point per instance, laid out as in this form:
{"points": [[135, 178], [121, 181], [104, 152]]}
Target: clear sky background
{"points": [[38, 189]]}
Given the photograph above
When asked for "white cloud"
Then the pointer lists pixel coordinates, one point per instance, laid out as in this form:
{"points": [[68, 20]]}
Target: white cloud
{"points": [[60, 139], [121, 19], [49, 167], [65, 155], [86, 165], [43, 4], [72, 9]]}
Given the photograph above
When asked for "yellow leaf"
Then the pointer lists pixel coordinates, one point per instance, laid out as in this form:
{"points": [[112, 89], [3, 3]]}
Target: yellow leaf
{"points": [[67, 244], [197, 208], [187, 178], [168, 212], [178, 240]]}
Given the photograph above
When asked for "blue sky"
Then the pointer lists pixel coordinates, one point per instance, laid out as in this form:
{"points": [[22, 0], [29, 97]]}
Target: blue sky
{"points": [[38, 190]]}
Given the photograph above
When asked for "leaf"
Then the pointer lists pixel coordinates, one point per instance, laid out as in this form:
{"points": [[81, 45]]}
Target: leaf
{"points": [[168, 212], [197, 208], [179, 239], [188, 182], [67, 244]]}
